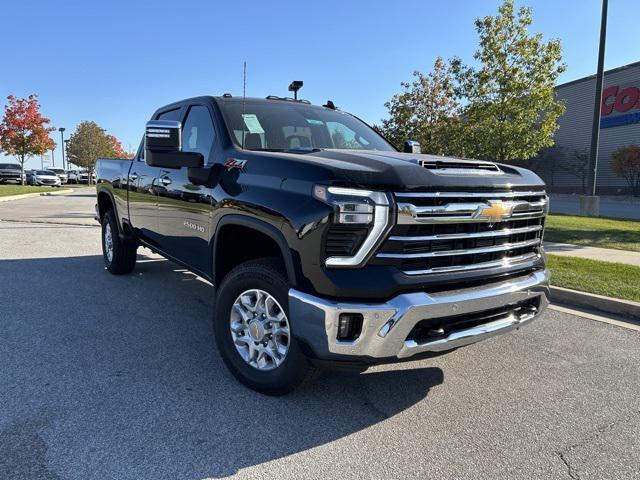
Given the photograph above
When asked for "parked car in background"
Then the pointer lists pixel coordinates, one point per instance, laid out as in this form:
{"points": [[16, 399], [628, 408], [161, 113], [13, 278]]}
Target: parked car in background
{"points": [[83, 176], [62, 175], [43, 177], [72, 176], [10, 173]]}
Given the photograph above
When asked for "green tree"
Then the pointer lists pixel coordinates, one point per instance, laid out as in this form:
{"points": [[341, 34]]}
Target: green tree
{"points": [[510, 107], [88, 143], [426, 111]]}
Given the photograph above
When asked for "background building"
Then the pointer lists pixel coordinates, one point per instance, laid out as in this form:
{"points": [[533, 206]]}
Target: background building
{"points": [[619, 125]]}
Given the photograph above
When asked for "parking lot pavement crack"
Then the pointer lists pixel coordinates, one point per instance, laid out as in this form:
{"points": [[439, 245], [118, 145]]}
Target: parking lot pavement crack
{"points": [[570, 470], [562, 454]]}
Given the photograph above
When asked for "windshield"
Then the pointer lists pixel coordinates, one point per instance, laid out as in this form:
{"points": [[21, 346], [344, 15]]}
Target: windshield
{"points": [[277, 125], [9, 166], [45, 172], [56, 170]]}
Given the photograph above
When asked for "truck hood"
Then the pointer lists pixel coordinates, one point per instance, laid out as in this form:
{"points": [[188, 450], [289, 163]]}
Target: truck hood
{"points": [[406, 171]]}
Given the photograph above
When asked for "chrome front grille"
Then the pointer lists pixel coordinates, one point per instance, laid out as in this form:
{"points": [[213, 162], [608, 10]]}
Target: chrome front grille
{"points": [[439, 232]]}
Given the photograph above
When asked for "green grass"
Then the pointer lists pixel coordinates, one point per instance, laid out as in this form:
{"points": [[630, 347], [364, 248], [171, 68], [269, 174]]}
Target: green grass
{"points": [[594, 232], [6, 190], [603, 278]]}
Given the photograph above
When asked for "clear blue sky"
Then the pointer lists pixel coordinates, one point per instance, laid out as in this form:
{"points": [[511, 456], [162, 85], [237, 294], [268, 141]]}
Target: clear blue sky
{"points": [[116, 61]]}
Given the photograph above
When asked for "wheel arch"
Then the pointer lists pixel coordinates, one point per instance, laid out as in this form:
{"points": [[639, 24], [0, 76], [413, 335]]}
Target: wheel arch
{"points": [[106, 201], [262, 228]]}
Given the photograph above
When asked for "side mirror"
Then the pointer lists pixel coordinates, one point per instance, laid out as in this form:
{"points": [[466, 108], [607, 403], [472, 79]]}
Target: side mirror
{"points": [[411, 146], [163, 146]]}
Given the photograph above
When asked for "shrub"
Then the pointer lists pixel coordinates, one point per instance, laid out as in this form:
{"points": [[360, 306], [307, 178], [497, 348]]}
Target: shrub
{"points": [[625, 162]]}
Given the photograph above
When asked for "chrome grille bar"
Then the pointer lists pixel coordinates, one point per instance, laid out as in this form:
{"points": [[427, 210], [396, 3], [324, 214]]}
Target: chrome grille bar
{"points": [[521, 260], [470, 251], [464, 212], [468, 194], [505, 232]]}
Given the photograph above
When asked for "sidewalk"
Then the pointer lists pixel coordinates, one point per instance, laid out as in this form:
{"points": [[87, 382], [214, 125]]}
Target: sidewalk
{"points": [[593, 253]]}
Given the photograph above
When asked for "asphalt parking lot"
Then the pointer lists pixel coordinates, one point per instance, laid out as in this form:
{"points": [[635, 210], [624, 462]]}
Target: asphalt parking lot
{"points": [[119, 377]]}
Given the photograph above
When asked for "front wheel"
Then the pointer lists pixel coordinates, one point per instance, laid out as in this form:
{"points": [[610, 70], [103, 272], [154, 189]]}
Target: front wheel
{"points": [[253, 330], [119, 255]]}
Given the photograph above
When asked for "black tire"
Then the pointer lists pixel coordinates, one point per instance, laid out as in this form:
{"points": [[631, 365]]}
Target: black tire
{"points": [[123, 258], [265, 274]]}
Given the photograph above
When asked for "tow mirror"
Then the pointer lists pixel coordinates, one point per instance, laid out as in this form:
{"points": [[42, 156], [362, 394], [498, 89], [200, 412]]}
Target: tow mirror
{"points": [[411, 146], [163, 146]]}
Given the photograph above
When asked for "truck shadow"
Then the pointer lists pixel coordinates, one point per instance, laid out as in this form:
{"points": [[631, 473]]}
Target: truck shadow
{"points": [[127, 371]]}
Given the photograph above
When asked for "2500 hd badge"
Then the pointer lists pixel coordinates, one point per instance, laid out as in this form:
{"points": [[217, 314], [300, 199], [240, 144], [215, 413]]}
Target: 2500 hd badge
{"points": [[194, 226]]}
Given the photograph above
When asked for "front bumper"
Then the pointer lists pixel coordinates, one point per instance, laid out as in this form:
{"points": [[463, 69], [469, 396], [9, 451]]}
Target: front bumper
{"points": [[386, 327], [17, 181]]}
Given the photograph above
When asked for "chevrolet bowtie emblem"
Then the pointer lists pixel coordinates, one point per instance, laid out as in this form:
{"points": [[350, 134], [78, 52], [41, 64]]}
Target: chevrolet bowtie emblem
{"points": [[494, 212]]}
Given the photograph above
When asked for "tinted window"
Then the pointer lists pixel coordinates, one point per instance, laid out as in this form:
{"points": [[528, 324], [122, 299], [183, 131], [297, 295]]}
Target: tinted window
{"points": [[198, 133], [170, 115]]}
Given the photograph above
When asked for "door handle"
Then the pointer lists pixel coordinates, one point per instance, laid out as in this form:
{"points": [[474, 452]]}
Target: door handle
{"points": [[133, 177], [165, 180]]}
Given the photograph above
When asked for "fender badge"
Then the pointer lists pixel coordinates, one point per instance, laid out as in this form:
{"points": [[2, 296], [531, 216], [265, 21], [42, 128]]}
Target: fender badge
{"points": [[232, 163]]}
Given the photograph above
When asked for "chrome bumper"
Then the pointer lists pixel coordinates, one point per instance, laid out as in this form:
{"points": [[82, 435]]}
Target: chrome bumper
{"points": [[386, 326]]}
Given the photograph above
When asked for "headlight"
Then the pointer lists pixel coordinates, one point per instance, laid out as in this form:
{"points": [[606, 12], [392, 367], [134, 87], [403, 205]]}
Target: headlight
{"points": [[358, 208]]}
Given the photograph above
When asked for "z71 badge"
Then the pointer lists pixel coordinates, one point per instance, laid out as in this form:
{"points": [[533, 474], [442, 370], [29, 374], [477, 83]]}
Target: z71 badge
{"points": [[232, 163]]}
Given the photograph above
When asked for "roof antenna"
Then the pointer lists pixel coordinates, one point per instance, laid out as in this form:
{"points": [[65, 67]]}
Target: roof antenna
{"points": [[244, 95]]}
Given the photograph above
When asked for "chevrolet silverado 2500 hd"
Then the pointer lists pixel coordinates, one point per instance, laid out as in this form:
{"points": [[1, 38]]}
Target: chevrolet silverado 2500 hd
{"points": [[326, 245]]}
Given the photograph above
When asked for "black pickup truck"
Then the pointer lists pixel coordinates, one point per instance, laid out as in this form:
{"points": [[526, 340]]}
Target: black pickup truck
{"points": [[326, 245]]}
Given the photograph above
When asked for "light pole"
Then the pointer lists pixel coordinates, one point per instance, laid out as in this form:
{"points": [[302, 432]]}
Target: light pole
{"points": [[66, 144], [61, 130], [590, 203], [53, 157]]}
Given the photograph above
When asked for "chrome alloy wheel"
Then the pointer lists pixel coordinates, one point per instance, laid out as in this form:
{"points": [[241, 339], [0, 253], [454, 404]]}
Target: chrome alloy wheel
{"points": [[259, 329], [108, 242]]}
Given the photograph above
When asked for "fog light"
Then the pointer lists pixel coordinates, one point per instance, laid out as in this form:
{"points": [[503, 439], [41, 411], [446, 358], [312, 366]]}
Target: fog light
{"points": [[349, 326]]}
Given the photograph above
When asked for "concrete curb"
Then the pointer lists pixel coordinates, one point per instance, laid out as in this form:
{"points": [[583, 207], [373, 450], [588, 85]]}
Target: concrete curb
{"points": [[35, 194], [616, 306]]}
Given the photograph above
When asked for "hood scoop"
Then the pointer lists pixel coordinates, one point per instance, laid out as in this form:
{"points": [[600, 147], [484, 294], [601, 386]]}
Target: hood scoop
{"points": [[460, 167]]}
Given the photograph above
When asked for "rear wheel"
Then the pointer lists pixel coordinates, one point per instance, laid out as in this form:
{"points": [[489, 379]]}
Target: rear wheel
{"points": [[253, 331], [119, 255]]}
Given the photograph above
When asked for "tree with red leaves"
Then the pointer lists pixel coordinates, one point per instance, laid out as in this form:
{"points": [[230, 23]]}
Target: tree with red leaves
{"points": [[118, 150], [24, 131]]}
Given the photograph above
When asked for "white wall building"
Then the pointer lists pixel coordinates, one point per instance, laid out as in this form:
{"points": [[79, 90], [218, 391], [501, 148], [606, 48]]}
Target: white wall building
{"points": [[619, 125]]}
